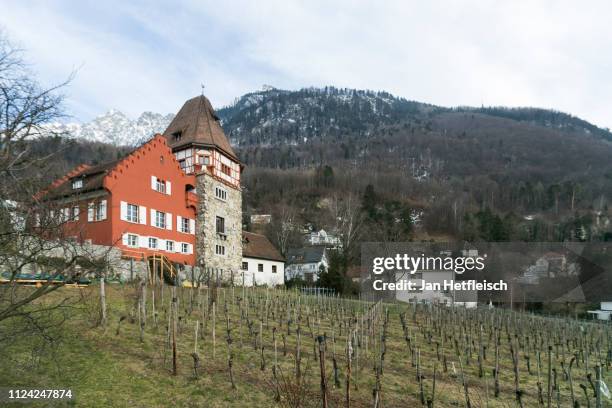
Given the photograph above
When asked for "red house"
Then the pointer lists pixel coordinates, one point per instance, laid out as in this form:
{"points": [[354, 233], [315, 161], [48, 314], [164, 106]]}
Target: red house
{"points": [[143, 204]]}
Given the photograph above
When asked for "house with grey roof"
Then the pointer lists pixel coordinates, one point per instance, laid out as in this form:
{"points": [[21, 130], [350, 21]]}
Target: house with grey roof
{"points": [[305, 263]]}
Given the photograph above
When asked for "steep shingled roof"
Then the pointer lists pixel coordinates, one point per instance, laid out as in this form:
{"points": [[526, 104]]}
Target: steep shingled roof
{"points": [[258, 246], [93, 176], [198, 123], [305, 255]]}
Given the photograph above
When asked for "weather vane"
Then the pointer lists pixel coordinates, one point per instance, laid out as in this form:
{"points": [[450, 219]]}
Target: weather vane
{"points": [[202, 85]]}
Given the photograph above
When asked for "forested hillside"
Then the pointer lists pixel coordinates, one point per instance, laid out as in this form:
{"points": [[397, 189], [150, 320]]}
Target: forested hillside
{"points": [[475, 173]]}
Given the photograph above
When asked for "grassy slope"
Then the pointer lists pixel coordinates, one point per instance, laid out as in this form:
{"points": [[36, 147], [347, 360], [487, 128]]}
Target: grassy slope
{"points": [[104, 369]]}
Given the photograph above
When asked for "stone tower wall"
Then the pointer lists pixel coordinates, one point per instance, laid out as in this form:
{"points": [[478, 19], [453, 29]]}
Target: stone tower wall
{"points": [[206, 235]]}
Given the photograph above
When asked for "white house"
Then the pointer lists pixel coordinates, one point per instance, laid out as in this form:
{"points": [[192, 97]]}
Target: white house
{"points": [[261, 218], [604, 312], [468, 299], [262, 264], [324, 238], [306, 263]]}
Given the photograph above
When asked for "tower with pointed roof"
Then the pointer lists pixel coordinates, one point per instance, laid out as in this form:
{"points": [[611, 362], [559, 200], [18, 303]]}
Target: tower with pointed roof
{"points": [[201, 148]]}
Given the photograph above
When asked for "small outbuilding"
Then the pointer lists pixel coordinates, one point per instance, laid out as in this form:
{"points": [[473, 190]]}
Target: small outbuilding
{"points": [[262, 263]]}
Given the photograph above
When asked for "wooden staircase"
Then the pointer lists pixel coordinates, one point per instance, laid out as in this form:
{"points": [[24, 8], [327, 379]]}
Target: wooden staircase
{"points": [[161, 267]]}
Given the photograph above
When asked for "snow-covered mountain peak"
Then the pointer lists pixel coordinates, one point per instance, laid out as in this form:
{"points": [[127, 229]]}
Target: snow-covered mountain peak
{"points": [[116, 128]]}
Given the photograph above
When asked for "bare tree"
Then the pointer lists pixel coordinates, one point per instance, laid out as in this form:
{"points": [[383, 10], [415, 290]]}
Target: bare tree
{"points": [[33, 239], [283, 228], [349, 219]]}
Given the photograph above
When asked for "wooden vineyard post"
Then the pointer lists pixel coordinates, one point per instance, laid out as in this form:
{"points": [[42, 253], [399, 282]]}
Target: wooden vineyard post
{"points": [[571, 384], [321, 341], [349, 356], [174, 312], [598, 386], [102, 303], [496, 372], [195, 337], [153, 312], [213, 326], [468, 403], [274, 367], [549, 396], [298, 372]]}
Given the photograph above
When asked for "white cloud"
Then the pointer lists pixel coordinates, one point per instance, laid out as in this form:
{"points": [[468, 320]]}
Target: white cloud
{"points": [[153, 56]]}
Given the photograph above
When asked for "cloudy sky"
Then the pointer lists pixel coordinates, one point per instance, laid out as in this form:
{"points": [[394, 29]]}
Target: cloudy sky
{"points": [[139, 55]]}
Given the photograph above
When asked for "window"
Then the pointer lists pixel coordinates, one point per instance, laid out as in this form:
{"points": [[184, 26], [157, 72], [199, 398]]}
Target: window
{"points": [[76, 184], [170, 246], [177, 136], [132, 213], [75, 213], [219, 250], [160, 219], [273, 268], [153, 243], [245, 266], [203, 160], [185, 225], [132, 240], [96, 211], [226, 169], [221, 193], [184, 248], [220, 225], [185, 159], [259, 267], [160, 185]]}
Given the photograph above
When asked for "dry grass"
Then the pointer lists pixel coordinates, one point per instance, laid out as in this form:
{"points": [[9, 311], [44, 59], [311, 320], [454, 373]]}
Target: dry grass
{"points": [[105, 369]]}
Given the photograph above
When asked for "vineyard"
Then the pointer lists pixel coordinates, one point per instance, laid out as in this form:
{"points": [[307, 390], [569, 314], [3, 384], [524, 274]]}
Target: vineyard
{"points": [[169, 346]]}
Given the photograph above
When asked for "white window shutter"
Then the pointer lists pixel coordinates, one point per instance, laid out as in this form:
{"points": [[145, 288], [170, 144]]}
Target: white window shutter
{"points": [[103, 209], [179, 222], [189, 248], [124, 239], [142, 214], [154, 182], [168, 188], [90, 212], [161, 244], [168, 221], [143, 242], [152, 217], [123, 215], [192, 226]]}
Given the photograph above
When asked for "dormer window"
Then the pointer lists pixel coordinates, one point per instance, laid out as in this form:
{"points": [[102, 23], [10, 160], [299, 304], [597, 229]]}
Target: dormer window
{"points": [[76, 184], [160, 185], [176, 136]]}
